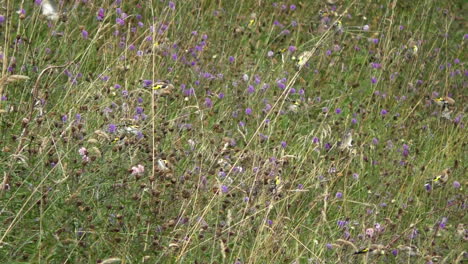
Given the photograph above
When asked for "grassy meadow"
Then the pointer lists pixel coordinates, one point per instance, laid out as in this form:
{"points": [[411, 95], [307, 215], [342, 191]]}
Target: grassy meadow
{"points": [[233, 131]]}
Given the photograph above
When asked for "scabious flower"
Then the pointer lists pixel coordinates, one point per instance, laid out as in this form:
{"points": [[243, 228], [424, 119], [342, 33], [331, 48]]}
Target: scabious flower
{"points": [[405, 152], [248, 111], [2, 19], [365, 27], [172, 5], [208, 102], [456, 184], [112, 128], [147, 83], [383, 112], [443, 223], [224, 189], [84, 34], [281, 85], [375, 141], [370, 232], [414, 233], [101, 14], [374, 80], [283, 144], [120, 21], [339, 195], [428, 187], [83, 151], [338, 110], [342, 223], [138, 170]]}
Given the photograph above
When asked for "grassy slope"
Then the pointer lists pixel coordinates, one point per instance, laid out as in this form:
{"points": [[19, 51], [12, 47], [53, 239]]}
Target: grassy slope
{"points": [[59, 208]]}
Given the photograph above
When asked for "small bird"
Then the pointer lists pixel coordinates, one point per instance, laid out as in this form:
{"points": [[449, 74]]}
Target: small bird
{"points": [[440, 179], [445, 102], [362, 251], [338, 26], [163, 88], [411, 51], [276, 185], [375, 249], [294, 107]]}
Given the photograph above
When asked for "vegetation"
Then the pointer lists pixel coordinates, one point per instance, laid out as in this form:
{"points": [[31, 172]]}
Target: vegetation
{"points": [[233, 132]]}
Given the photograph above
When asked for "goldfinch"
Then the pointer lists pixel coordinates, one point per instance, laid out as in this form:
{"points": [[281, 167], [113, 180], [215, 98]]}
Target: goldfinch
{"points": [[375, 249], [362, 251], [294, 107], [411, 51], [162, 88], [338, 26], [445, 102], [276, 185], [440, 179]]}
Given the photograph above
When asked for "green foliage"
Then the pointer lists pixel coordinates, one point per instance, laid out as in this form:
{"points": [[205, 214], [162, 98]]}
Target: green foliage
{"points": [[241, 148]]}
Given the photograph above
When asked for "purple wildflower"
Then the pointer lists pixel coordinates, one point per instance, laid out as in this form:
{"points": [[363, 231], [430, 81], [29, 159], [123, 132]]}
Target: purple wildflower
{"points": [[208, 102], [101, 14], [355, 176], [112, 128], [283, 144], [172, 5], [84, 34], [224, 189]]}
